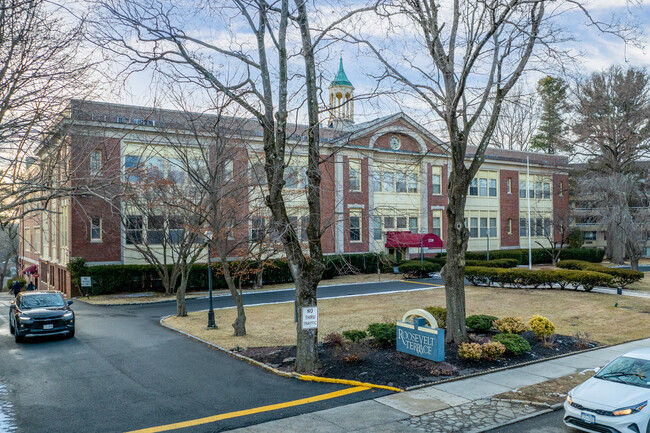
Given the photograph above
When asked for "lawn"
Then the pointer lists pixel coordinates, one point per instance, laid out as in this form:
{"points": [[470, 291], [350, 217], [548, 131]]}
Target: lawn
{"points": [[643, 285], [591, 314]]}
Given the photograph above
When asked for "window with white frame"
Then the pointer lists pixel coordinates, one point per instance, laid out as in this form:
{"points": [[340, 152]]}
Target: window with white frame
{"points": [[393, 179], [95, 229], [155, 229], [436, 181], [354, 174], [134, 228], [27, 239], [95, 162], [36, 242], [482, 224], [538, 188], [484, 184], [590, 236], [132, 167], [436, 226]]}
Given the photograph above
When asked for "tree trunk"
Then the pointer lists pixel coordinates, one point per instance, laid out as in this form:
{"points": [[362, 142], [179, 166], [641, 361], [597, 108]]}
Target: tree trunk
{"points": [[453, 273], [307, 341], [634, 263], [259, 283], [181, 308], [616, 244], [240, 321]]}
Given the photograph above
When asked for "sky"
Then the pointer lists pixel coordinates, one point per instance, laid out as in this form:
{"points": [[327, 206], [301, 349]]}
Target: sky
{"points": [[592, 51]]}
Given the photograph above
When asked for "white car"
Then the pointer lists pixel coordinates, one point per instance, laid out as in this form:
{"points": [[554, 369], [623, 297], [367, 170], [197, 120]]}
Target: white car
{"points": [[615, 399]]}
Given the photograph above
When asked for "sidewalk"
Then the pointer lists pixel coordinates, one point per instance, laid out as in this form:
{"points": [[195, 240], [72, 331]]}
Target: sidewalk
{"points": [[460, 406]]}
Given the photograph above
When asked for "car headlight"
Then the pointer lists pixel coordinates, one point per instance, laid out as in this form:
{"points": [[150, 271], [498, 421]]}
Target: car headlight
{"points": [[569, 398], [68, 315], [630, 409], [24, 318]]}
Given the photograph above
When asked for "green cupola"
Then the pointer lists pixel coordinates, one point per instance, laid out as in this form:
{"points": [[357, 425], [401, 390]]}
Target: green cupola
{"points": [[341, 101], [341, 79]]}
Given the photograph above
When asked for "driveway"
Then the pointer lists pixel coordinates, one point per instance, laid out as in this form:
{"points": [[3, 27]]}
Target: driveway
{"points": [[123, 372]]}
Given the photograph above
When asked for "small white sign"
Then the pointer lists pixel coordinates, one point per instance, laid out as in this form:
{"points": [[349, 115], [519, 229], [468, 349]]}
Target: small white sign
{"points": [[86, 282], [309, 317]]}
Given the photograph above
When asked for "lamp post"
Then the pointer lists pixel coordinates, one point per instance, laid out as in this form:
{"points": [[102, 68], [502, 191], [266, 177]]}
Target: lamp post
{"points": [[211, 323]]}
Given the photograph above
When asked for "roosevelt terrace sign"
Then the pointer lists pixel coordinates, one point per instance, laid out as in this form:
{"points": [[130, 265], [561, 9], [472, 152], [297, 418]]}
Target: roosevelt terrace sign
{"points": [[415, 338]]}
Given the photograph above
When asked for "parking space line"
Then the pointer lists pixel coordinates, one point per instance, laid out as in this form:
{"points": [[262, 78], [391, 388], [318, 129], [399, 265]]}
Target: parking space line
{"points": [[260, 409]]}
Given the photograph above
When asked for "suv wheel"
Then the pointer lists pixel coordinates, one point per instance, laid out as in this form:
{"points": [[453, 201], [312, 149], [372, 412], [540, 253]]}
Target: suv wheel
{"points": [[18, 337], [11, 327]]}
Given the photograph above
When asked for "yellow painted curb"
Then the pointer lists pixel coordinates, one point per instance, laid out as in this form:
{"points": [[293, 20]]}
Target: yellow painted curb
{"points": [[417, 282], [346, 382]]}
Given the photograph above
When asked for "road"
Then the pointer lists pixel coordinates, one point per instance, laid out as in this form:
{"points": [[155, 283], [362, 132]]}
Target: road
{"points": [[547, 423], [123, 372]]}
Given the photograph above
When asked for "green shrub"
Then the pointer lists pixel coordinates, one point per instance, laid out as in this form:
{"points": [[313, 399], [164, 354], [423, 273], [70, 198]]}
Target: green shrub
{"points": [[417, 269], [576, 238], [385, 334], [470, 351], [514, 344], [520, 278], [620, 277], [498, 263], [440, 314], [354, 335], [511, 325], [493, 350], [539, 255], [586, 254], [542, 327], [10, 282], [480, 322]]}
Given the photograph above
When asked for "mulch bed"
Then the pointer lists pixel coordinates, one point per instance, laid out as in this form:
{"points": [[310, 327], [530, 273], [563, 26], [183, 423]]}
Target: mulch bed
{"points": [[365, 362]]}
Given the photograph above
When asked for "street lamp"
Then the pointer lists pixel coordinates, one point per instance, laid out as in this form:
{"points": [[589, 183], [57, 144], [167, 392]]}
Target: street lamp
{"points": [[211, 323]]}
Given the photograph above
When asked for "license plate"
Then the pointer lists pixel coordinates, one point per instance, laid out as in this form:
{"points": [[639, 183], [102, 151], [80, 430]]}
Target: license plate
{"points": [[49, 326], [587, 417]]}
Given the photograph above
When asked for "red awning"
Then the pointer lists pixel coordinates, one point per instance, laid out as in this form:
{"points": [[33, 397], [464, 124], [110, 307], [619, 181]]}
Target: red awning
{"points": [[415, 240], [30, 269]]}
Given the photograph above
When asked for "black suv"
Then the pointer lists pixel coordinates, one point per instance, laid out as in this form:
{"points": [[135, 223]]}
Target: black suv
{"points": [[40, 313]]}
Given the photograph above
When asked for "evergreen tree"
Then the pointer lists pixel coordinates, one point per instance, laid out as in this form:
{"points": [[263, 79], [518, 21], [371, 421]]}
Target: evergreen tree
{"points": [[550, 137]]}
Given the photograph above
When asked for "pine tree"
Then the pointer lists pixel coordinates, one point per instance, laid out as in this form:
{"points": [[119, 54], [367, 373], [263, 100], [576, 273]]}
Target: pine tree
{"points": [[550, 137]]}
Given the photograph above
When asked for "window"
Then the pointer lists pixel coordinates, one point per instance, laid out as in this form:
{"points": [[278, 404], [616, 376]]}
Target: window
{"points": [[400, 182], [155, 229], [483, 187], [538, 189], [95, 161], [523, 227], [37, 240], [531, 190], [561, 191], [509, 185], [473, 187], [376, 228], [412, 182], [547, 226], [175, 227], [590, 236], [389, 222], [493, 188], [132, 167], [435, 184], [547, 190], [522, 189], [376, 181], [134, 229], [435, 226], [387, 183], [292, 177], [493, 227], [27, 239], [355, 174], [304, 222], [413, 224], [484, 227], [176, 173], [156, 167], [355, 226], [257, 229], [473, 227], [95, 229], [539, 227], [509, 226], [227, 170], [258, 176], [401, 222]]}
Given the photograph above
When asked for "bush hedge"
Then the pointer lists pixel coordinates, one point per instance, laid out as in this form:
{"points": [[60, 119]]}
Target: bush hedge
{"points": [[470, 351], [354, 335], [539, 255], [620, 277], [498, 263], [520, 278], [385, 334], [417, 269], [440, 314], [515, 344]]}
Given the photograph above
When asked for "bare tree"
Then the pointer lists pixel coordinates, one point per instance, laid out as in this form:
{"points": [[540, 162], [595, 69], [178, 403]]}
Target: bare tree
{"points": [[8, 249], [465, 58], [517, 122], [252, 72]]}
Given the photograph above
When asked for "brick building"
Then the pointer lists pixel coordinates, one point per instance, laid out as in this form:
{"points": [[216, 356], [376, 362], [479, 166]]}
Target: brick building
{"points": [[389, 174]]}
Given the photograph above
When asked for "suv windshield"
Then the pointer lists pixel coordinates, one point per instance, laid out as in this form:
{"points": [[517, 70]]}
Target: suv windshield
{"points": [[632, 371], [42, 300]]}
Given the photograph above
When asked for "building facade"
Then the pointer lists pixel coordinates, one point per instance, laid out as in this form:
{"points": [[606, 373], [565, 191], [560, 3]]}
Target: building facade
{"points": [[389, 174]]}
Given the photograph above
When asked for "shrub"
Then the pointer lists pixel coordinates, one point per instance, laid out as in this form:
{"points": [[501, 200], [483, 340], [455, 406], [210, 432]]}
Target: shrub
{"points": [[542, 327], [576, 238], [384, 334], [440, 314], [480, 322], [334, 339], [354, 335], [511, 325], [11, 281], [539, 255], [493, 350], [620, 277], [470, 351], [415, 269], [514, 344], [498, 263]]}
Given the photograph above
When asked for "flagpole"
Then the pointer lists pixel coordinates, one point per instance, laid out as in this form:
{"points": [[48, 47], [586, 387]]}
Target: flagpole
{"points": [[530, 242]]}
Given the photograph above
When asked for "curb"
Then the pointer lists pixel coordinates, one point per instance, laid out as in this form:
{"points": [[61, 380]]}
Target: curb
{"points": [[551, 408], [275, 370]]}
